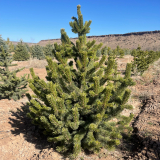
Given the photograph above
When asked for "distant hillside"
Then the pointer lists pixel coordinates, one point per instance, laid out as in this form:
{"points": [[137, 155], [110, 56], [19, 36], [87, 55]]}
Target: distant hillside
{"points": [[30, 44], [148, 40]]}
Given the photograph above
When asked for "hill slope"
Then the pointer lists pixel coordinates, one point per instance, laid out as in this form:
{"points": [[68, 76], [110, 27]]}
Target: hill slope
{"points": [[149, 40]]}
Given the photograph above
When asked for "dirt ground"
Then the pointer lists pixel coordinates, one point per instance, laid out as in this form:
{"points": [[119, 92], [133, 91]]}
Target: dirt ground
{"points": [[21, 140]]}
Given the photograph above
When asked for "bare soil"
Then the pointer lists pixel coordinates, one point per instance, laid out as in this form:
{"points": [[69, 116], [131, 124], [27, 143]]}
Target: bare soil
{"points": [[21, 140]]}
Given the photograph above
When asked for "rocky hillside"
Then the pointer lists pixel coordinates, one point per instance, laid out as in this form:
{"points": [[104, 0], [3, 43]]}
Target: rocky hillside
{"points": [[149, 40]]}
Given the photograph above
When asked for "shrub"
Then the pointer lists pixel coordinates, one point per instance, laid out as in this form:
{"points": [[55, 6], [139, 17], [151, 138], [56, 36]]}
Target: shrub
{"points": [[21, 53], [11, 87], [37, 52], [76, 107]]}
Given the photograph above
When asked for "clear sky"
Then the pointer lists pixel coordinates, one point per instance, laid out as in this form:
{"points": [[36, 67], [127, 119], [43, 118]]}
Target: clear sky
{"points": [[35, 20]]}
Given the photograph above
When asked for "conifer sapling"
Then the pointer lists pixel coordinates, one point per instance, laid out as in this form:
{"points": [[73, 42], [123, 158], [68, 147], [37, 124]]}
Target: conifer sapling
{"points": [[76, 107], [11, 87]]}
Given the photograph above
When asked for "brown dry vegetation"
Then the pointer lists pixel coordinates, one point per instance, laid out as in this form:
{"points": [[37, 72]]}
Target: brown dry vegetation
{"points": [[147, 40], [20, 140]]}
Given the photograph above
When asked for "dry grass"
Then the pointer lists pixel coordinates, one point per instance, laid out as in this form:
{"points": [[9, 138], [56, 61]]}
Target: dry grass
{"points": [[36, 63], [148, 76]]}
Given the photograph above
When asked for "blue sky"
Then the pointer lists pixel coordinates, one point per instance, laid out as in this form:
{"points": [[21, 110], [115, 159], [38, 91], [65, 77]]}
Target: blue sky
{"points": [[35, 20]]}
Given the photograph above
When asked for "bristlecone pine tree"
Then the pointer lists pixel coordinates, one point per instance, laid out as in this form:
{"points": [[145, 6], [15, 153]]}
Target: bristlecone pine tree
{"points": [[11, 87], [77, 106]]}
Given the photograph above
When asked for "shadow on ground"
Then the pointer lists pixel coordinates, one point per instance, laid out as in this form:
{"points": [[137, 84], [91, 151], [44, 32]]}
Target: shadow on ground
{"points": [[32, 133], [136, 146]]}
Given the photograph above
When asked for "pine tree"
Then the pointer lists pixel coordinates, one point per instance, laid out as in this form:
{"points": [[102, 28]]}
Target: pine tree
{"points": [[127, 52], [48, 50], [142, 60], [3, 43], [27, 46], [118, 52], [21, 53], [10, 45], [77, 106], [8, 41], [37, 52], [11, 87], [98, 54]]}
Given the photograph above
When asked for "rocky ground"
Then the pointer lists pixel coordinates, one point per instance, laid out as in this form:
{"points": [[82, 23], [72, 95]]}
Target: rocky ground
{"points": [[21, 140]]}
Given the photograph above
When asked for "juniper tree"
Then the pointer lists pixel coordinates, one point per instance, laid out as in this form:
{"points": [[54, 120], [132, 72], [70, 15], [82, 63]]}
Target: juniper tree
{"points": [[21, 53], [76, 106], [11, 87]]}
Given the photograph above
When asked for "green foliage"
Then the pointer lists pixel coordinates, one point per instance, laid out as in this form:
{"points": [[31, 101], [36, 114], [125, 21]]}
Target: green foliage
{"points": [[3, 43], [48, 50], [118, 52], [37, 52], [98, 54], [11, 87], [127, 52], [27, 46], [142, 60], [104, 51], [10, 45], [21, 53], [76, 107]]}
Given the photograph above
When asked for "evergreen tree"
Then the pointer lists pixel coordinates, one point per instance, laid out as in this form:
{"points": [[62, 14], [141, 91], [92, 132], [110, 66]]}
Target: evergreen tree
{"points": [[118, 52], [27, 46], [104, 51], [98, 54], [8, 41], [127, 52], [3, 43], [10, 45], [37, 52], [48, 50], [11, 87], [76, 107], [142, 60], [21, 53]]}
